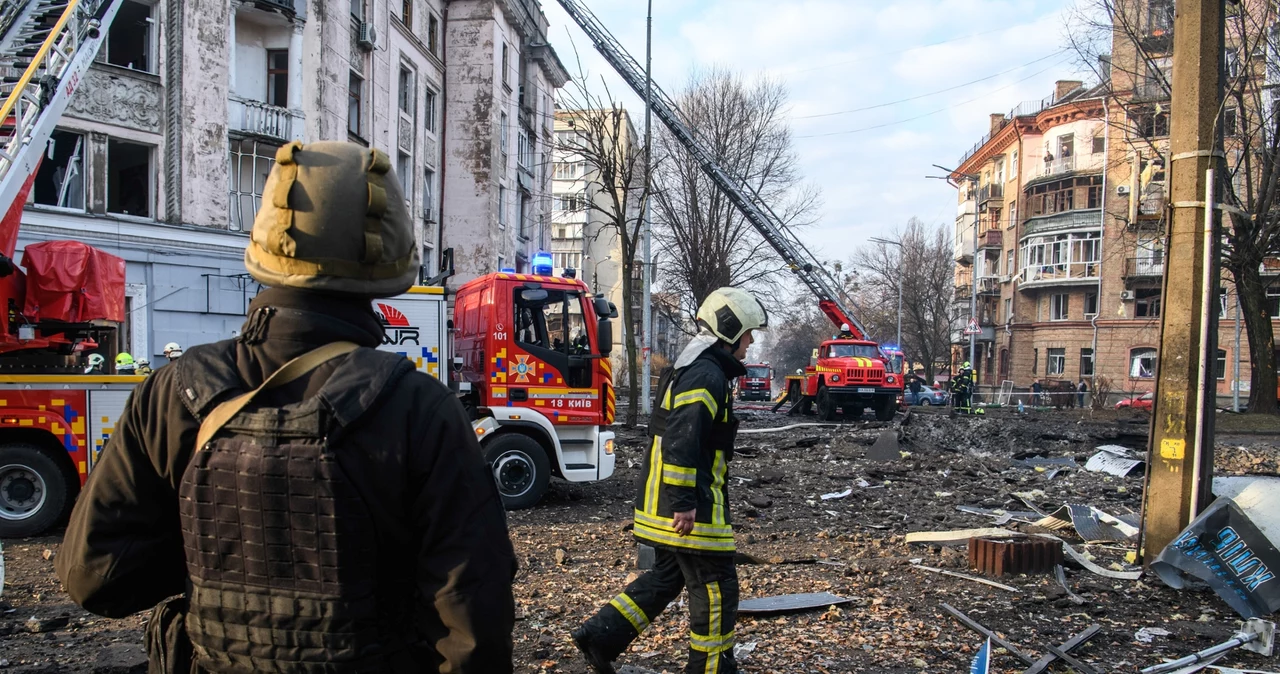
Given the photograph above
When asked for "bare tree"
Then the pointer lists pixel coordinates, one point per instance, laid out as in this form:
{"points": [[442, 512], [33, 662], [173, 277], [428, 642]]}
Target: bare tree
{"points": [[1139, 32], [795, 331], [604, 139], [924, 266], [705, 240]]}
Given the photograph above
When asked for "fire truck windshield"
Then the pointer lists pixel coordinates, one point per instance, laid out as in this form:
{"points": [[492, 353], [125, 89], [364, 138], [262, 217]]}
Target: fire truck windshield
{"points": [[555, 323], [757, 373], [854, 351]]}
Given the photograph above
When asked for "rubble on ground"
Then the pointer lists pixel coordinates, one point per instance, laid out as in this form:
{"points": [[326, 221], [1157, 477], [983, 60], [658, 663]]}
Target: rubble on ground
{"points": [[1005, 470]]}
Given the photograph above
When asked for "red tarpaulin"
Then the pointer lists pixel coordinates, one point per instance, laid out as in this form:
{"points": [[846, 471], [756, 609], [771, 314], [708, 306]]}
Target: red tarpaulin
{"points": [[72, 282]]}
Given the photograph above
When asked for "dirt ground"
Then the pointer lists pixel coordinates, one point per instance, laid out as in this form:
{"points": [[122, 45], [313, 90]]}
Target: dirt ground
{"points": [[576, 551]]}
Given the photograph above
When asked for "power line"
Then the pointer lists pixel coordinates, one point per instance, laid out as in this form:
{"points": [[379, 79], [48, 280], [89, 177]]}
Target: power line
{"points": [[932, 93], [930, 114]]}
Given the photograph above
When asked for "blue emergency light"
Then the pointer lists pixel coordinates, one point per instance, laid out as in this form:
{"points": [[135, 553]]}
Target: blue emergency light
{"points": [[507, 270], [542, 263]]}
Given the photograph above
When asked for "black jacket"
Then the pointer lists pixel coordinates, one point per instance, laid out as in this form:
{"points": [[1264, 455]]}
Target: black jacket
{"points": [[418, 468]]}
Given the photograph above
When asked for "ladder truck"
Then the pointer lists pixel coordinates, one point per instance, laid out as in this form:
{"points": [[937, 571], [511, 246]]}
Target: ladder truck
{"points": [[851, 372]]}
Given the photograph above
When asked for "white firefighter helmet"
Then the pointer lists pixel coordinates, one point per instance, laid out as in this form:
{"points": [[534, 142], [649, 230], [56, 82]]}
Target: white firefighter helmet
{"points": [[844, 327], [172, 350], [730, 312], [96, 360]]}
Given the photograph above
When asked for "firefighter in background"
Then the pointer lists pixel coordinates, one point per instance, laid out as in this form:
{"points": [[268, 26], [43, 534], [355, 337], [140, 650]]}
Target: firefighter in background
{"points": [[125, 364], [962, 389], [389, 554], [172, 351], [682, 506], [96, 361], [845, 332]]}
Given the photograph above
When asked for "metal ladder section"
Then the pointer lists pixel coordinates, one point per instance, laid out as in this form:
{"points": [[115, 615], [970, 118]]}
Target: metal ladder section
{"points": [[798, 258], [45, 48]]}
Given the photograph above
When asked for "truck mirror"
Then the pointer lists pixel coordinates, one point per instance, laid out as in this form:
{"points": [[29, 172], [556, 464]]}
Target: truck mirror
{"points": [[613, 310], [533, 295], [601, 306], [604, 336]]}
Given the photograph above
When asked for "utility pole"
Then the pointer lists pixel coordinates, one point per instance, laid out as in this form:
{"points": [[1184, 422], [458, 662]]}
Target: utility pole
{"points": [[646, 325], [973, 300], [901, 254], [1181, 451]]}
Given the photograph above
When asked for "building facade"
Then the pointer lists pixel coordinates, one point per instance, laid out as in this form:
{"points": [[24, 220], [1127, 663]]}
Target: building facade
{"points": [[1062, 218], [163, 153]]}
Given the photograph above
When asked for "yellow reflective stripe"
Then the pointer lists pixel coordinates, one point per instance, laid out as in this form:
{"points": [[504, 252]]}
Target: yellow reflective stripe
{"points": [[699, 528], [653, 479], [679, 476], [698, 395], [666, 400], [714, 625], [719, 473], [691, 541], [711, 645], [631, 612]]}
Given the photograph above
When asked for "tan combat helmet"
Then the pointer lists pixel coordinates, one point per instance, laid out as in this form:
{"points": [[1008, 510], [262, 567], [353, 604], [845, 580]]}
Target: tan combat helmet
{"points": [[333, 219]]}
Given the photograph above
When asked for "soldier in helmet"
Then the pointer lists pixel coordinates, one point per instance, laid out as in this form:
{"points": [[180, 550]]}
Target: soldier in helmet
{"points": [[318, 505], [682, 504]]}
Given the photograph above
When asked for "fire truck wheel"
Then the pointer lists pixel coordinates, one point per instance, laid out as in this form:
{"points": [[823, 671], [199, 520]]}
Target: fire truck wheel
{"points": [[521, 469], [826, 406], [886, 407], [33, 491]]}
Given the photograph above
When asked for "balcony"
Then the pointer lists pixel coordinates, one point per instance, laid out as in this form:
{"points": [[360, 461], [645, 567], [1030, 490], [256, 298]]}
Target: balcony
{"points": [[259, 119], [992, 238], [1065, 273], [1142, 268], [990, 192], [988, 285], [1150, 89], [1151, 204], [282, 5], [1071, 164]]}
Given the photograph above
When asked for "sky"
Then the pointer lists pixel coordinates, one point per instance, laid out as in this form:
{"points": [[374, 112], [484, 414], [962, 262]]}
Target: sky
{"points": [[837, 57]]}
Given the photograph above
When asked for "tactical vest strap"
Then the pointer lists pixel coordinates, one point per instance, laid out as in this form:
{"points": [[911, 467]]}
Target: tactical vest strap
{"points": [[289, 372]]}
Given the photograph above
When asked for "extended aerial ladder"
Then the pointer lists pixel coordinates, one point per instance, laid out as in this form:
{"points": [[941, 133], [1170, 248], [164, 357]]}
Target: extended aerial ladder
{"points": [[46, 46], [839, 308]]}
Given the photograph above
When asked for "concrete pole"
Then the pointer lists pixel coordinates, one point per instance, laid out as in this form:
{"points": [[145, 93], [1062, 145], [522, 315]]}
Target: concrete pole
{"points": [[646, 326], [1235, 365], [900, 275], [1178, 475]]}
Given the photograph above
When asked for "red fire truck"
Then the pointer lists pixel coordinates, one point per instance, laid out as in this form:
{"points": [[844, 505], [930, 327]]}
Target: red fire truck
{"points": [[851, 375], [757, 383]]}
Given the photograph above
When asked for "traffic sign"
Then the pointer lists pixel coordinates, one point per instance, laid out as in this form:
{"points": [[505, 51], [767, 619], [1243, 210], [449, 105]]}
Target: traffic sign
{"points": [[973, 328]]}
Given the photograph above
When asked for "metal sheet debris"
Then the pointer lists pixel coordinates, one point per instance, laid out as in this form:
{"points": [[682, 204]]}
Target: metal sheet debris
{"points": [[1089, 565], [1148, 634], [886, 447], [837, 494], [1113, 460], [779, 429], [958, 536], [1092, 524], [1061, 575], [1225, 547], [791, 602]]}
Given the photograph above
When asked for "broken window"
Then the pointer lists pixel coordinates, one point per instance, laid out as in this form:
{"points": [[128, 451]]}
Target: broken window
{"points": [[1151, 124], [278, 77], [60, 180], [1142, 363], [1066, 145], [429, 195], [1146, 303], [355, 96], [1229, 122], [250, 163], [128, 178], [128, 42], [1057, 361], [1086, 362], [404, 170], [1091, 304]]}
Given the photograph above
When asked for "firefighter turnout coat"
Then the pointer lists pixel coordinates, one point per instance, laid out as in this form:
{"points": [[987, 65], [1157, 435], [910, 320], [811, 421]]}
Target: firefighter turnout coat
{"points": [[691, 437]]}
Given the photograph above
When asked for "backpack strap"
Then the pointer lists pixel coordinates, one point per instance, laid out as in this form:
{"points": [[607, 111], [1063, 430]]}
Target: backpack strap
{"points": [[290, 371]]}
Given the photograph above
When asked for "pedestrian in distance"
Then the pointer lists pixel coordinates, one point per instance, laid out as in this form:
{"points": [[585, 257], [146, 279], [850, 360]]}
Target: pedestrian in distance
{"points": [[1037, 393], [1081, 389], [294, 500], [682, 504]]}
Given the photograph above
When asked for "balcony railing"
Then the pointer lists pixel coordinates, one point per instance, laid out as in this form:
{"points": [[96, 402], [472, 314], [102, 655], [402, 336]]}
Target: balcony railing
{"points": [[1152, 201], [1139, 267], [260, 119], [1059, 273], [992, 238], [286, 5], [989, 285], [989, 192], [1150, 89]]}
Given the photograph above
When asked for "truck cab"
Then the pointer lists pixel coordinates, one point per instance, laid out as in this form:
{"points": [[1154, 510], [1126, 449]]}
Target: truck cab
{"points": [[757, 383], [532, 353], [851, 375]]}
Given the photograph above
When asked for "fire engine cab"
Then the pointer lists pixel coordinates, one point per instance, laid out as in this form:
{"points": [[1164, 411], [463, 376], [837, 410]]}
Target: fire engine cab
{"points": [[757, 383], [849, 376]]}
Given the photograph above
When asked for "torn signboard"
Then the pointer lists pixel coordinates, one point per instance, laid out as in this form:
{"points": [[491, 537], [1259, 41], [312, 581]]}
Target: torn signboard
{"points": [[1092, 524], [1113, 460], [1225, 547], [790, 602]]}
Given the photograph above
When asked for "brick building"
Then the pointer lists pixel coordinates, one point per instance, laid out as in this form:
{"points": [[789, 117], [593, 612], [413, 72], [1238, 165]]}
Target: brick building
{"points": [[1066, 199]]}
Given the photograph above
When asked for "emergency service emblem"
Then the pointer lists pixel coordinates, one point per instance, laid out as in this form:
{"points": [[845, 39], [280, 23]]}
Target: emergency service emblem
{"points": [[395, 326], [523, 368]]}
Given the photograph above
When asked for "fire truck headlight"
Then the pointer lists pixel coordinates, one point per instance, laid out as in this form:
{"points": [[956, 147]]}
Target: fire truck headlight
{"points": [[608, 446], [890, 379], [835, 378]]}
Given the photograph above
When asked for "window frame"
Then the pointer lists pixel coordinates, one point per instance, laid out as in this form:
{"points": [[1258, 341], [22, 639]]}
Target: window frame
{"points": [[150, 197], [272, 72], [1087, 356], [1060, 307], [355, 101], [1143, 352], [1055, 356]]}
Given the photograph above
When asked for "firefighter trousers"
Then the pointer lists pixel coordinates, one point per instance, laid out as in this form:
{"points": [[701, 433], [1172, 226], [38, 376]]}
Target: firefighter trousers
{"points": [[712, 582]]}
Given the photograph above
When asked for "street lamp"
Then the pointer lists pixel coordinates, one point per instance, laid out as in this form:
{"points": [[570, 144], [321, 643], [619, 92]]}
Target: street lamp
{"points": [[901, 250], [595, 274]]}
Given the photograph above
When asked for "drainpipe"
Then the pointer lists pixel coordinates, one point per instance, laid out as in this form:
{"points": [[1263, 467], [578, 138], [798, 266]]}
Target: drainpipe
{"points": [[444, 130], [1102, 235]]}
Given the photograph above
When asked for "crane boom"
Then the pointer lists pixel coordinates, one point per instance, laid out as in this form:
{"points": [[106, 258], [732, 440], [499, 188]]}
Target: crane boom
{"points": [[793, 252]]}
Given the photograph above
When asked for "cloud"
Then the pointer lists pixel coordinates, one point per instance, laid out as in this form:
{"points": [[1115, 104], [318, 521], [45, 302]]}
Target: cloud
{"points": [[838, 55]]}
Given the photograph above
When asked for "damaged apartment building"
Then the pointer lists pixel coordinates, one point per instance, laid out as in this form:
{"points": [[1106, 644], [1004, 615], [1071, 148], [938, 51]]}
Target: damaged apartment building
{"points": [[1061, 228], [163, 153]]}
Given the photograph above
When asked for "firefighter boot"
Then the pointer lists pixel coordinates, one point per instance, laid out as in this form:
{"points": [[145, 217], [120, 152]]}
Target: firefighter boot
{"points": [[595, 656]]}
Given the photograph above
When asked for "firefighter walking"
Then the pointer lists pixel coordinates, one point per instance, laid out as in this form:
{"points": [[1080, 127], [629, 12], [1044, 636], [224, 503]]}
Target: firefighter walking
{"points": [[682, 503], [962, 389]]}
